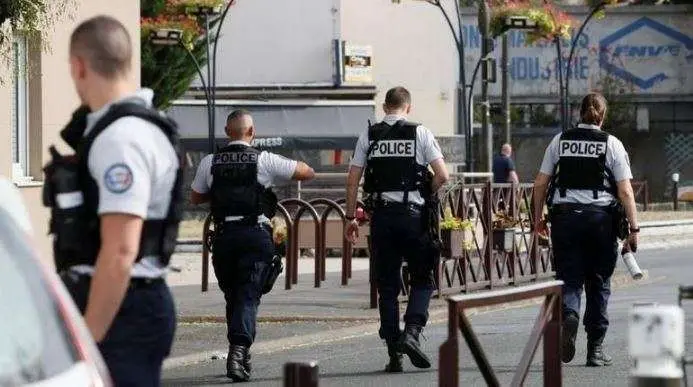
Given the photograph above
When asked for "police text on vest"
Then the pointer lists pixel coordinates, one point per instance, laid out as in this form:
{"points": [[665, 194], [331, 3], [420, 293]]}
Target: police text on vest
{"points": [[234, 158], [394, 148], [571, 148]]}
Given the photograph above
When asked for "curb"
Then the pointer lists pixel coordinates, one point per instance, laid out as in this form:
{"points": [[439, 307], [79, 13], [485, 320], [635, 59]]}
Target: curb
{"points": [[619, 279], [436, 315]]}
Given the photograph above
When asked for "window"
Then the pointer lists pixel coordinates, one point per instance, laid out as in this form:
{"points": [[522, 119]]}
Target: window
{"points": [[20, 112]]}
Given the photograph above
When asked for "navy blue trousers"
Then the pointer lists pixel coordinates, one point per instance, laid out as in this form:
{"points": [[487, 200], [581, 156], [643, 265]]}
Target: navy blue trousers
{"points": [[396, 234], [242, 255], [141, 335], [585, 254]]}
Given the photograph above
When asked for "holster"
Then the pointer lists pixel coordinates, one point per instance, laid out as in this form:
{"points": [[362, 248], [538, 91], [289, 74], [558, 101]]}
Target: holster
{"points": [[619, 220], [272, 273]]}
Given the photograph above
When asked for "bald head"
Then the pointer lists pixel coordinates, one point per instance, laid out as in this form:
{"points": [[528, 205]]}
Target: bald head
{"points": [[506, 149], [105, 45], [239, 125]]}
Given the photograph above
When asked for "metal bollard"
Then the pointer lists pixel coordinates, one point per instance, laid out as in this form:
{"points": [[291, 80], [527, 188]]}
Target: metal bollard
{"points": [[656, 344], [301, 374]]}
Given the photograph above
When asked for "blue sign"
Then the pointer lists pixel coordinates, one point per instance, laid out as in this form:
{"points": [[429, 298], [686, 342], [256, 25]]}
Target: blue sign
{"points": [[613, 47]]}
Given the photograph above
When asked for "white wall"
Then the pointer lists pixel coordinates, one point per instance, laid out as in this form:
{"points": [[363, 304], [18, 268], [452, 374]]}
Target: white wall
{"points": [[277, 42], [412, 47]]}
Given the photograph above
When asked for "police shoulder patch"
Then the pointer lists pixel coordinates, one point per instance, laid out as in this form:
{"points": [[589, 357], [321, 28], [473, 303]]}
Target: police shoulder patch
{"points": [[118, 178]]}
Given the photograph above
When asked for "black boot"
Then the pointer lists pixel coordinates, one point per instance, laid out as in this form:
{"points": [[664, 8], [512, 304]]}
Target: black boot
{"points": [[411, 347], [596, 357], [236, 364], [570, 328], [246, 363], [395, 353]]}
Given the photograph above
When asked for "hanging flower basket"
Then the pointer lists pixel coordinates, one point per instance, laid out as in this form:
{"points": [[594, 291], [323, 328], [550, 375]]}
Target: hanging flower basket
{"points": [[550, 22], [195, 7], [189, 26]]}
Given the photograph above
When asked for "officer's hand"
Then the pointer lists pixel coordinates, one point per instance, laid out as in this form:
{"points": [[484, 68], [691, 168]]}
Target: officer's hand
{"points": [[540, 227], [633, 242], [351, 231]]}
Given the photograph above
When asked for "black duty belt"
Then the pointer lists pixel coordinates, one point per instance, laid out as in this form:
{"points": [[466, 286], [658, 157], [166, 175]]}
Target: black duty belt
{"points": [[135, 282], [411, 207], [568, 207]]}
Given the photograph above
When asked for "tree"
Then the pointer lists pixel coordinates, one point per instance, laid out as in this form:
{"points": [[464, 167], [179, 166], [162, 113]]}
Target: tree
{"points": [[33, 18], [169, 70]]}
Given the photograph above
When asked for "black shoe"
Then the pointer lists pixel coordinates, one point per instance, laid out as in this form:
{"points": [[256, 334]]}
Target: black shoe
{"points": [[246, 363], [395, 353], [409, 344], [236, 364], [596, 357], [570, 328]]}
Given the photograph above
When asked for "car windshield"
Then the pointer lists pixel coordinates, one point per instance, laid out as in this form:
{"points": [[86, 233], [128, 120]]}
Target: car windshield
{"points": [[34, 341]]}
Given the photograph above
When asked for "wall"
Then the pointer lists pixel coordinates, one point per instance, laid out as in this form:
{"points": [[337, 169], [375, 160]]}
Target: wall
{"points": [[649, 49], [277, 42], [52, 100], [412, 47]]}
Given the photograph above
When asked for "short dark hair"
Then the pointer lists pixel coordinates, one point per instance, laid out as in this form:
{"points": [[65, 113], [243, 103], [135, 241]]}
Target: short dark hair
{"points": [[397, 97], [238, 113], [105, 44], [593, 109]]}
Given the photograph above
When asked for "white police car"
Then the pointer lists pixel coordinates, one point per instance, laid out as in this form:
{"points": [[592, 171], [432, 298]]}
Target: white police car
{"points": [[43, 339]]}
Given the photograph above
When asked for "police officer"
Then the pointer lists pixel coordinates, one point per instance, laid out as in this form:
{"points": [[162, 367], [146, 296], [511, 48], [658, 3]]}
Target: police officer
{"points": [[588, 172], [395, 154], [115, 206], [237, 182]]}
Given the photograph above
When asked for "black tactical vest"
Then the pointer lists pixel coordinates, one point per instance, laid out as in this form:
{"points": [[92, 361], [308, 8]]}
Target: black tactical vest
{"points": [[235, 190], [582, 162], [391, 159], [76, 226]]}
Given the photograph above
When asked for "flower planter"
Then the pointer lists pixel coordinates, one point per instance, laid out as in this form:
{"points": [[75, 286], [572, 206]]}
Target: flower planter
{"points": [[453, 242], [504, 239]]}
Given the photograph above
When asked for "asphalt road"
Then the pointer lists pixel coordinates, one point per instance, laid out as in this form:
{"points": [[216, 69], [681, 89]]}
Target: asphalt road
{"points": [[358, 361]]}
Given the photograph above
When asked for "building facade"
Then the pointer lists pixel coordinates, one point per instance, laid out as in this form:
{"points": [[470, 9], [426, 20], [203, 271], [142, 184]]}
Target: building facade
{"points": [[290, 66], [37, 90]]}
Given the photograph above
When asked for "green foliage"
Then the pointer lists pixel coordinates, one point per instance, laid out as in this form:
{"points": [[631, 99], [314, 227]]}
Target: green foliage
{"points": [[169, 70], [450, 222]]}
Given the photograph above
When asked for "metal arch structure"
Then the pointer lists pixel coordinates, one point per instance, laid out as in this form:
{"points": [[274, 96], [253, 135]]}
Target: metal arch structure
{"points": [[304, 206]]}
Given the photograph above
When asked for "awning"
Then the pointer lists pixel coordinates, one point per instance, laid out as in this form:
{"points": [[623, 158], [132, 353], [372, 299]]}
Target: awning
{"points": [[279, 143], [300, 120]]}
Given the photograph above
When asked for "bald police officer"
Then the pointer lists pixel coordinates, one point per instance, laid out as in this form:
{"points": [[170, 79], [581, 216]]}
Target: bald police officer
{"points": [[237, 180], [116, 206], [589, 171], [395, 154]]}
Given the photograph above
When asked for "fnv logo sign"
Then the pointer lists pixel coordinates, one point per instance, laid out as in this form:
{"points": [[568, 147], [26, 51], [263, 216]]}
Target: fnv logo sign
{"points": [[591, 149], [643, 51], [394, 148]]}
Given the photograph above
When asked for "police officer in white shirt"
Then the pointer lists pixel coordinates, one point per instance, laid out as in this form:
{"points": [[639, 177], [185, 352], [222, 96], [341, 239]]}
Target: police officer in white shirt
{"points": [[395, 155], [115, 207], [587, 172], [237, 181]]}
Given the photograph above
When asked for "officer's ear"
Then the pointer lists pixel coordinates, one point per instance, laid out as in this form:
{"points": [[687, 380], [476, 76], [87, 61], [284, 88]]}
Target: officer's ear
{"points": [[408, 109], [251, 132]]}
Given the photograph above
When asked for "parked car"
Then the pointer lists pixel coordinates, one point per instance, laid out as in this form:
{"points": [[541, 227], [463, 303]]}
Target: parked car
{"points": [[44, 341]]}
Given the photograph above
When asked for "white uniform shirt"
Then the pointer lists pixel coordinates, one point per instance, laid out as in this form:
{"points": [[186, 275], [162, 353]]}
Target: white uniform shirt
{"points": [[427, 151], [616, 160], [13, 205], [272, 170], [135, 168]]}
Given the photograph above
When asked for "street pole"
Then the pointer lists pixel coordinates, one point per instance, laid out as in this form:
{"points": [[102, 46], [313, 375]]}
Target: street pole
{"points": [[210, 102], [504, 86], [485, 49], [559, 70], [567, 108], [461, 100]]}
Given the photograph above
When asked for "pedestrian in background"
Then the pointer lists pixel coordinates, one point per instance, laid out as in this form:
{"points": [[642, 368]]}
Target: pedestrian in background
{"points": [[504, 167], [237, 180], [587, 172]]}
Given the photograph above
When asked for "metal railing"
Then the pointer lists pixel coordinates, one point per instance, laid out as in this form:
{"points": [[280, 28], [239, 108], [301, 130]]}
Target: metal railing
{"points": [[546, 328]]}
